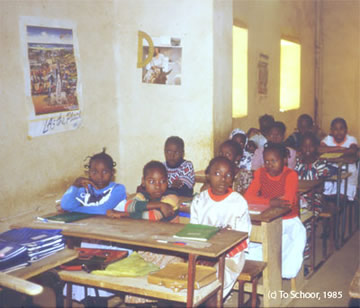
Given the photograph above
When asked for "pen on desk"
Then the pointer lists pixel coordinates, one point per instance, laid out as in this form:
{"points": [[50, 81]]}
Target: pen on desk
{"points": [[171, 242]]}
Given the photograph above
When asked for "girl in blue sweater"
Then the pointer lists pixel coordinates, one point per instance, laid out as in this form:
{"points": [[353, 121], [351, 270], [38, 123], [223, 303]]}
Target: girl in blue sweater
{"points": [[97, 193]]}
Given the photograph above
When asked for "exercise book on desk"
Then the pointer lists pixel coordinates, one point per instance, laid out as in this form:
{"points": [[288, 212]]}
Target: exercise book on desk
{"points": [[256, 209], [196, 232], [66, 217]]}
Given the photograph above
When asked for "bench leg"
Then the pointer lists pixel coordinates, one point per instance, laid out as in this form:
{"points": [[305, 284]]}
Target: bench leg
{"points": [[241, 293], [254, 292]]}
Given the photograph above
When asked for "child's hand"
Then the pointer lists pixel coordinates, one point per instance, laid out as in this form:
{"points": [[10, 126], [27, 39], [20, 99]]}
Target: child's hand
{"points": [[59, 208], [116, 214], [83, 182], [177, 183], [166, 209]]}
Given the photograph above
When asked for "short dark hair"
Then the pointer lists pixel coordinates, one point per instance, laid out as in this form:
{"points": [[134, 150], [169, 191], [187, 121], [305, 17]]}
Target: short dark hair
{"points": [[278, 125], [154, 164], [221, 159], [311, 136], [106, 158], [338, 120], [307, 118], [280, 148], [234, 145], [175, 140]]}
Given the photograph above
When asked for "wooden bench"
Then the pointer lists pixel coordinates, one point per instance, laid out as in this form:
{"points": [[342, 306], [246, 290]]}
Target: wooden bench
{"points": [[251, 272]]}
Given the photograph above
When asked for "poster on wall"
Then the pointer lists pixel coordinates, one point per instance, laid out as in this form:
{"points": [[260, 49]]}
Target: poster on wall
{"points": [[52, 82], [165, 64], [263, 74]]}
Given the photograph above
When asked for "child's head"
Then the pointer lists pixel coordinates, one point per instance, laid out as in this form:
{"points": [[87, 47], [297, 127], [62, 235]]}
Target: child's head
{"points": [[309, 145], [265, 121], [275, 157], [251, 146], [276, 132], [338, 129], [101, 169], [174, 151], [240, 139], [304, 123], [220, 175], [231, 150], [155, 179]]}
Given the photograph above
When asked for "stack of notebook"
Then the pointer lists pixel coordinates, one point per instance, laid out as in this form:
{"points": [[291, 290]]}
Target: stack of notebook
{"points": [[36, 243], [12, 256]]}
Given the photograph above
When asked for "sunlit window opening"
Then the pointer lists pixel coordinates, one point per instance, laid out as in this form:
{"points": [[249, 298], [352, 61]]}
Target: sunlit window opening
{"points": [[290, 73], [240, 72]]}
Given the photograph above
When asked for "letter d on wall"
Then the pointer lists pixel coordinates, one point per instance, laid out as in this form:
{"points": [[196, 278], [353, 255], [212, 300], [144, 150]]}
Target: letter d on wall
{"points": [[140, 62]]}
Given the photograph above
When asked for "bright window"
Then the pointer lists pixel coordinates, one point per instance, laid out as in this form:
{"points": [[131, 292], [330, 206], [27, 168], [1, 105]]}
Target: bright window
{"points": [[290, 73], [240, 72]]}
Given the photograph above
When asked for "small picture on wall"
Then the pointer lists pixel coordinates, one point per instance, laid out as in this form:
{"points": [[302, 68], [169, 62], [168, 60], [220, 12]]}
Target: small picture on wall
{"points": [[165, 65], [51, 75]]}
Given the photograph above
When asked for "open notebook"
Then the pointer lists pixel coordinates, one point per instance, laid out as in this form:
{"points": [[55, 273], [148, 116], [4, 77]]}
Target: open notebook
{"points": [[256, 209]]}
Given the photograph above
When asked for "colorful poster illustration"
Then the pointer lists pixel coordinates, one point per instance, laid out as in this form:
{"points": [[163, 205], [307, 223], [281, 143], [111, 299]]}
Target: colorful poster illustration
{"points": [[165, 64], [51, 76]]}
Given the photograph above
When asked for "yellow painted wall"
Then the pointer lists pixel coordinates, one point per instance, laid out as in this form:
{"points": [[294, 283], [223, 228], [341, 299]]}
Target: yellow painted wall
{"points": [[340, 63], [267, 22]]}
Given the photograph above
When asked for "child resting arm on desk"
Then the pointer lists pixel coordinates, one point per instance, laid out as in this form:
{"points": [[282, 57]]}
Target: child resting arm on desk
{"points": [[276, 184], [155, 202], [220, 206], [338, 141], [97, 193]]}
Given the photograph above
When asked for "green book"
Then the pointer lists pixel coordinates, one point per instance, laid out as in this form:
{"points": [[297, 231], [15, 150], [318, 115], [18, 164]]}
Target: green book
{"points": [[196, 232], [66, 217]]}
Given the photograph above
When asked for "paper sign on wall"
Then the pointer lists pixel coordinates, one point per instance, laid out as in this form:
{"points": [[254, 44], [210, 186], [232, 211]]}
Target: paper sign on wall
{"points": [[52, 83]]}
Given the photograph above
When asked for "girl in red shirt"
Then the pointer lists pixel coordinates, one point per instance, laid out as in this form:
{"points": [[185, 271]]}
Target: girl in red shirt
{"points": [[276, 184]]}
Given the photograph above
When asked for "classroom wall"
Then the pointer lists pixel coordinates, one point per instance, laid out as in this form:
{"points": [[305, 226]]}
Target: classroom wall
{"points": [[35, 168], [340, 63], [267, 22], [131, 119]]}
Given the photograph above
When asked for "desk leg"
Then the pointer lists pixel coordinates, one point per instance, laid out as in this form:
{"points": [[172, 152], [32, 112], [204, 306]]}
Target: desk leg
{"points": [[338, 208], [191, 280], [271, 243], [221, 273], [344, 206], [68, 299]]}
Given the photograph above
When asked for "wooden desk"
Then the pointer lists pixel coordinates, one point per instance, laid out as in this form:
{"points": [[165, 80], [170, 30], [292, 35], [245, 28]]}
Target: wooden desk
{"points": [[144, 234], [267, 229], [17, 280], [354, 290], [308, 185]]}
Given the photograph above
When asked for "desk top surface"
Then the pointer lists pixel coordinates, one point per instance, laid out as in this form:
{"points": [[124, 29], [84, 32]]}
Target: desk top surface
{"points": [[308, 185], [142, 233]]}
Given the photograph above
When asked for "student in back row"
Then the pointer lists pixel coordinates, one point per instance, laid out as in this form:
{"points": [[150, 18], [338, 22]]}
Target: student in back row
{"points": [[96, 193], [181, 175], [275, 134]]}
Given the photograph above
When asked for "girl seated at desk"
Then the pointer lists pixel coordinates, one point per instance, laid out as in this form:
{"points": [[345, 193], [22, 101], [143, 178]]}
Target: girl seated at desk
{"points": [[276, 184], [338, 141], [220, 206], [97, 193]]}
